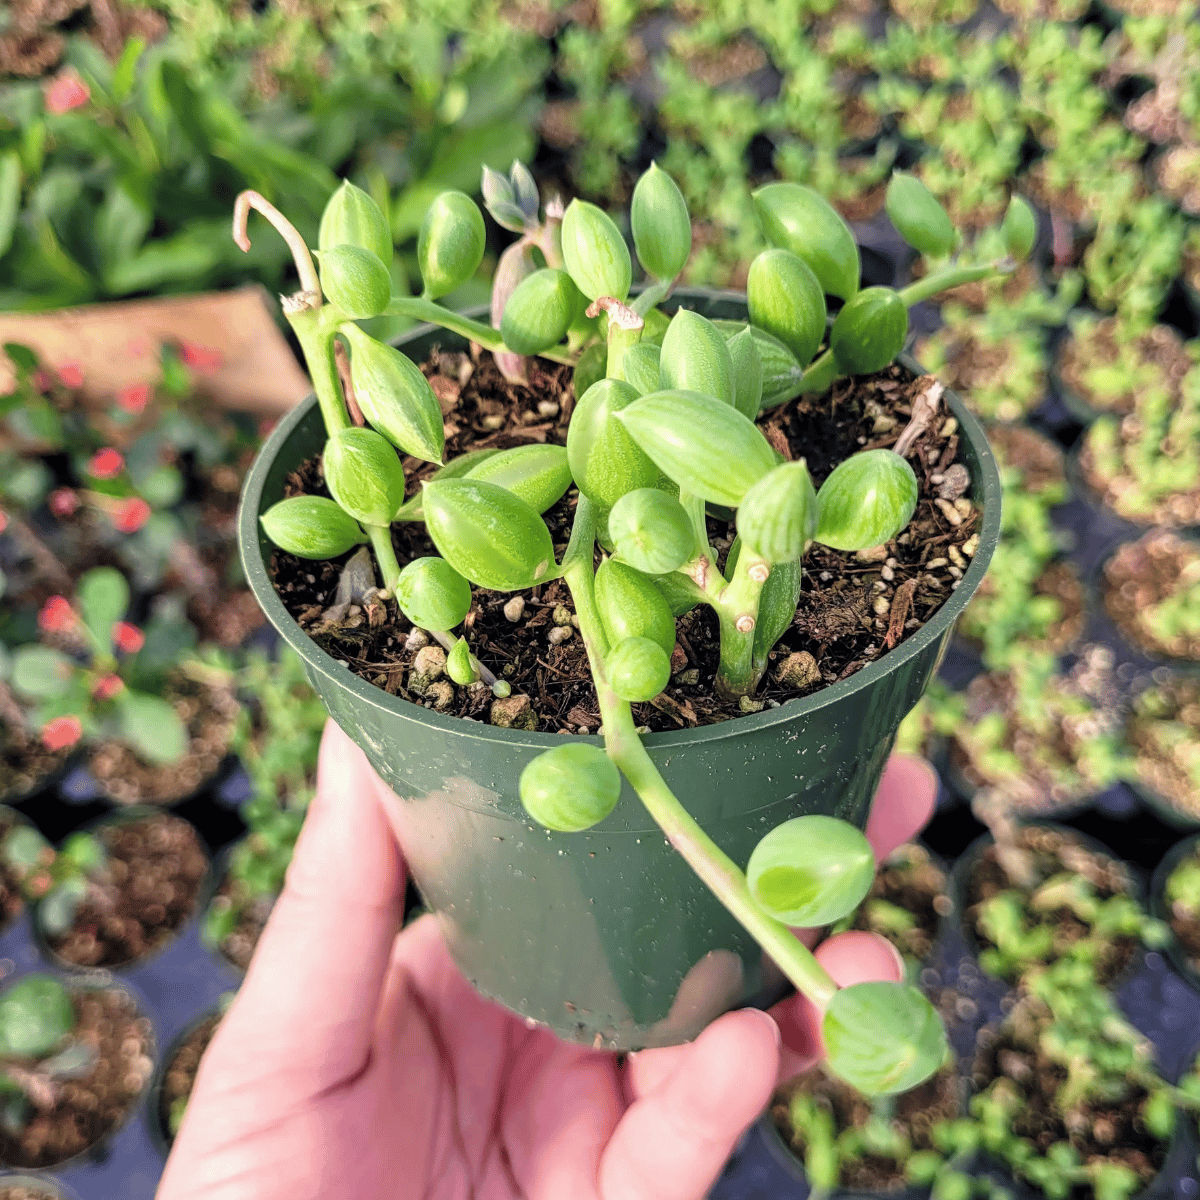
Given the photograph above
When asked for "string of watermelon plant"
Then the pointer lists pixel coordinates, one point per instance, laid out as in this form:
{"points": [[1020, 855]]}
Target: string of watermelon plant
{"points": [[666, 429]]}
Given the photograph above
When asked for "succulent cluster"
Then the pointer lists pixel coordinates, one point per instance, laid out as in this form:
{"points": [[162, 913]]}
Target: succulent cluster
{"points": [[662, 429]]}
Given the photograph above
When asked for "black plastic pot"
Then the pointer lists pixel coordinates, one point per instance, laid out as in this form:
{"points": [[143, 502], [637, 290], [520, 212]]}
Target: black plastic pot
{"points": [[607, 937], [47, 1183], [1162, 910], [156, 1119]]}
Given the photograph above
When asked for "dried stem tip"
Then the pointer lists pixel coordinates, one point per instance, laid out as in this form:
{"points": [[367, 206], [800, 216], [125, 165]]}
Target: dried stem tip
{"points": [[310, 284]]}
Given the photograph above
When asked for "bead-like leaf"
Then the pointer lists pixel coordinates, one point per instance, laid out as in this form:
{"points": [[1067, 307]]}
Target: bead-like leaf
{"points": [[640, 366], [1019, 228], [869, 331], [311, 527], [571, 787], [458, 663], [353, 218], [919, 216], [747, 373], [395, 397], [432, 594], [355, 280], [785, 299], [781, 373], [451, 243], [811, 870], [594, 252], [662, 228], [703, 444], [36, 1014], [882, 1038], [631, 606], [151, 726], [539, 474], [695, 358], [364, 475], [456, 468], [866, 500], [778, 514], [605, 461], [798, 219], [651, 531], [487, 534], [540, 311], [637, 669]]}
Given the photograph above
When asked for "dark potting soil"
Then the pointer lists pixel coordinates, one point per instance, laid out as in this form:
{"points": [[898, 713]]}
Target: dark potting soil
{"points": [[84, 1110], [11, 901], [239, 946], [1142, 574], [180, 1075], [209, 712], [24, 762], [916, 1111], [1123, 492], [1039, 460], [906, 902], [1165, 739], [853, 608], [1098, 1130], [1053, 852], [149, 888], [1185, 924], [1160, 349]]}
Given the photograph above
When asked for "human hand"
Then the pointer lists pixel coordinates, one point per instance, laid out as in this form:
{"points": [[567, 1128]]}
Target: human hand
{"points": [[356, 1061]]}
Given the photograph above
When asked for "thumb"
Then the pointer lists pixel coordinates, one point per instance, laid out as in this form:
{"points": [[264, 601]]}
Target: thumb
{"points": [[307, 1007]]}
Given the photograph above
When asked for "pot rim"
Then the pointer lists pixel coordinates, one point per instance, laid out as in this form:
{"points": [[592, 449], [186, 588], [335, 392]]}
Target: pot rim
{"points": [[1159, 908], [987, 492]]}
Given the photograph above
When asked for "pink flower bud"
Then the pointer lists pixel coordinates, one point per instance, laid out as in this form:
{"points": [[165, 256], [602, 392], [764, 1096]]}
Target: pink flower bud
{"points": [[65, 92], [56, 615], [108, 686], [106, 463], [63, 502], [70, 375], [133, 397], [127, 638], [130, 515], [200, 358], [61, 733]]}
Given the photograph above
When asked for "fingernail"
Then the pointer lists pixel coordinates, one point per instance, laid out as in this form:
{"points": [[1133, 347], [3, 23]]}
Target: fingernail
{"points": [[901, 965], [762, 1015]]}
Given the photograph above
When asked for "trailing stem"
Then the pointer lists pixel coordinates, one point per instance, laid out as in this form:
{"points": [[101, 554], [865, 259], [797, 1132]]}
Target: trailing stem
{"points": [[715, 868], [421, 309]]}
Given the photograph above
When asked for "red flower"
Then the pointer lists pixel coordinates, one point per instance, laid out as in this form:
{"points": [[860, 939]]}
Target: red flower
{"points": [[66, 92], [71, 375], [61, 733], [63, 502], [106, 463], [133, 397], [57, 615], [130, 515], [200, 358], [108, 686], [128, 638]]}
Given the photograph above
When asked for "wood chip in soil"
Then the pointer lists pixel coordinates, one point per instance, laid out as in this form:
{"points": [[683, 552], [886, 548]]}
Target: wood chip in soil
{"points": [[852, 610], [1053, 852], [87, 1109], [180, 1075], [209, 714], [148, 890]]}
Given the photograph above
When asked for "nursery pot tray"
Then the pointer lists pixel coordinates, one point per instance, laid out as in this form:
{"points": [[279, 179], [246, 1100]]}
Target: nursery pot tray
{"points": [[607, 937]]}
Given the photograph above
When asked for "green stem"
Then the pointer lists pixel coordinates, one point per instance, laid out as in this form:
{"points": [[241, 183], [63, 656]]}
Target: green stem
{"points": [[653, 296], [694, 507], [820, 374], [315, 331], [385, 555], [714, 867], [624, 330], [953, 277], [737, 610], [421, 309]]}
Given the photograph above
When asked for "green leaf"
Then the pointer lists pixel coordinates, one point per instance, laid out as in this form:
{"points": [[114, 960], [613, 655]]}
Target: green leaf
{"points": [[121, 225], [353, 218], [652, 531], [10, 197], [432, 594], [640, 366], [456, 468], [778, 514], [458, 663], [541, 309], [356, 280], [41, 673], [705, 445], [605, 460], [747, 373], [869, 331], [811, 870], [571, 787], [1019, 228], [124, 74], [395, 397], [661, 226], [487, 534], [311, 527], [451, 243], [882, 1038], [798, 219], [776, 606], [866, 500], [594, 252], [785, 299], [630, 606], [919, 217], [364, 475], [538, 474], [102, 596], [57, 908], [695, 358], [151, 726], [637, 669], [36, 1014]]}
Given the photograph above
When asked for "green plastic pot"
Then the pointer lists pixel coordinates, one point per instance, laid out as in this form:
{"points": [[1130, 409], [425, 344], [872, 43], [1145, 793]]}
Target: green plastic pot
{"points": [[607, 937]]}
